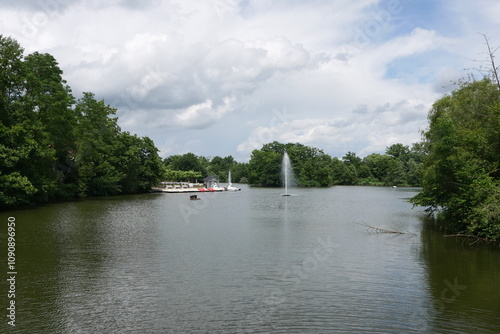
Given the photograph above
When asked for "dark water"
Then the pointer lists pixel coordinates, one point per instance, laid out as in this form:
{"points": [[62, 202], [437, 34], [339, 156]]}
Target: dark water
{"points": [[247, 262]]}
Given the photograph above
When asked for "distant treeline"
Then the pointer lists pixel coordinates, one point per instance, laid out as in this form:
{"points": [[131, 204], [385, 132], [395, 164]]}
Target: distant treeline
{"points": [[190, 167], [311, 167]]}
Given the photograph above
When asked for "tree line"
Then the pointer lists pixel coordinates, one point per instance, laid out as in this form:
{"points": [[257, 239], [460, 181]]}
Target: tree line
{"points": [[311, 167], [54, 147], [193, 168]]}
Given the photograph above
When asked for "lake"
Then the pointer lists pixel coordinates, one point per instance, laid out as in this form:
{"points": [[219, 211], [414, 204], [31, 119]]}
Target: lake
{"points": [[247, 262]]}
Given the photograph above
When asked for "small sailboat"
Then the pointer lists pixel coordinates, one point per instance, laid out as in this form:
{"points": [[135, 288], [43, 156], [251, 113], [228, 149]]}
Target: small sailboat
{"points": [[230, 186]]}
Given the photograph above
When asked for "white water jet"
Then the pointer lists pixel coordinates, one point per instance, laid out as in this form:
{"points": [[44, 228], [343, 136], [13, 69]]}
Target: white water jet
{"points": [[286, 170]]}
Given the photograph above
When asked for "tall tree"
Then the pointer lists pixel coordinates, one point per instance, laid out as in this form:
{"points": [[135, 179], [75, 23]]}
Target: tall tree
{"points": [[138, 161], [462, 169], [25, 144], [11, 80], [50, 99], [398, 151], [265, 168], [352, 158], [96, 135]]}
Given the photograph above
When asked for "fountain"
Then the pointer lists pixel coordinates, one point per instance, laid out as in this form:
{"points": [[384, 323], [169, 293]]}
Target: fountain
{"points": [[230, 186], [286, 170]]}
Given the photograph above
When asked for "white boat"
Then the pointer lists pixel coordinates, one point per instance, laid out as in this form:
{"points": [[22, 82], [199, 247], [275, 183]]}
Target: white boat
{"points": [[216, 187], [230, 186], [212, 184]]}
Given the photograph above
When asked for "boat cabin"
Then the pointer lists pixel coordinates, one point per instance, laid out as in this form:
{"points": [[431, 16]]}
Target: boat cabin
{"points": [[211, 181]]}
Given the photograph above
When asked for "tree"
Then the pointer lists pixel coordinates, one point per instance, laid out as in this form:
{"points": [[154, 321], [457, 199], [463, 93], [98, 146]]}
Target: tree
{"points": [[25, 146], [310, 165], [396, 173], [349, 175], [182, 176], [52, 148], [138, 161], [398, 151], [220, 167], [49, 98], [239, 172], [96, 135], [338, 168], [185, 162], [491, 55], [414, 173], [418, 152], [379, 165], [11, 81], [265, 168], [462, 169], [352, 158]]}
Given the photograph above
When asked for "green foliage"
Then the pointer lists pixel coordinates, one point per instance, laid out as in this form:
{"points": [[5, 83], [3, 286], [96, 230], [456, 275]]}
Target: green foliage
{"points": [[11, 80], [313, 168], [462, 169], [484, 218], [16, 189], [265, 168], [52, 148], [398, 151], [181, 175], [239, 172], [220, 167], [352, 159], [185, 162], [379, 165], [400, 165], [25, 144], [349, 175], [189, 167]]}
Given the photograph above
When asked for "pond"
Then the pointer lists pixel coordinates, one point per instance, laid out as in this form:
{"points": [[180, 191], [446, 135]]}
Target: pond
{"points": [[247, 262]]}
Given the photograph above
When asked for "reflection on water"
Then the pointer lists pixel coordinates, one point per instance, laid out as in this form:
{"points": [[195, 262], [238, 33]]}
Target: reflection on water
{"points": [[249, 262], [463, 282]]}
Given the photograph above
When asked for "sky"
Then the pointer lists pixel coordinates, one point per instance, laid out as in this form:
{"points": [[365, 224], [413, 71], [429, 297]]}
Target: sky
{"points": [[224, 77]]}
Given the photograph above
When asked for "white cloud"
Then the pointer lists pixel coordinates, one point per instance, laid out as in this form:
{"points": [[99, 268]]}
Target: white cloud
{"points": [[203, 114], [375, 129], [209, 75]]}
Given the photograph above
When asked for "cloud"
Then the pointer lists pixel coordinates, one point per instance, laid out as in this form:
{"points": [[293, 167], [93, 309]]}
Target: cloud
{"points": [[224, 77], [389, 122], [203, 114], [360, 109]]}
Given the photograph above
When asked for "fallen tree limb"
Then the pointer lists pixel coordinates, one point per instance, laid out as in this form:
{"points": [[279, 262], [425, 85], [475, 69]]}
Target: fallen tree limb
{"points": [[381, 230], [476, 239]]}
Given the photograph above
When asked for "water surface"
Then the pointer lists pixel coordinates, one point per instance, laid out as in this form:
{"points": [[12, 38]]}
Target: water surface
{"points": [[248, 262]]}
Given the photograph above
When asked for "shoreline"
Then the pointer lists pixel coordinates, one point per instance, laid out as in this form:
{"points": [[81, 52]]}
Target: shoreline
{"points": [[185, 190]]}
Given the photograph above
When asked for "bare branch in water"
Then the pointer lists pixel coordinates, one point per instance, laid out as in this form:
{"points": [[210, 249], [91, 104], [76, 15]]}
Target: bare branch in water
{"points": [[382, 230]]}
